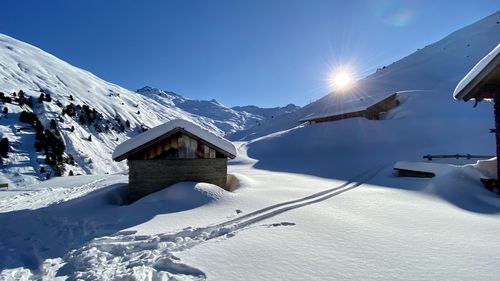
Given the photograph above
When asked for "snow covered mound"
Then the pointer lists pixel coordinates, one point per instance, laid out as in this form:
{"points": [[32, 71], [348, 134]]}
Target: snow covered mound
{"points": [[184, 195], [437, 67], [488, 168], [74, 118], [229, 120]]}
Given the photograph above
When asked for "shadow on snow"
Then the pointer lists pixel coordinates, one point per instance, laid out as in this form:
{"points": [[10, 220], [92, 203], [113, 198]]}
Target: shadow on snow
{"points": [[28, 237]]}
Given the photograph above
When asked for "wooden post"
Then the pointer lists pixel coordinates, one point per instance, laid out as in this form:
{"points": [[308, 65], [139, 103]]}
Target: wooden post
{"points": [[497, 132]]}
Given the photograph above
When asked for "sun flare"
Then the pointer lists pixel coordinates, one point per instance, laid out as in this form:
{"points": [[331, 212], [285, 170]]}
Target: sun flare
{"points": [[342, 79]]}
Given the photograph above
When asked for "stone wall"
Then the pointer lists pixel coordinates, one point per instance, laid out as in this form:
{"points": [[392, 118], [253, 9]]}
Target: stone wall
{"points": [[147, 176]]}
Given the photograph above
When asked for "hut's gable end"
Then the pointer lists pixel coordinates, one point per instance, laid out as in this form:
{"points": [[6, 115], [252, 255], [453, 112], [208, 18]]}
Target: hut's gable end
{"points": [[179, 145], [159, 133]]}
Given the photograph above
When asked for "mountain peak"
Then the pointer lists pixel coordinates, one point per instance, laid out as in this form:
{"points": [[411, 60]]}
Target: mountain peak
{"points": [[229, 120]]}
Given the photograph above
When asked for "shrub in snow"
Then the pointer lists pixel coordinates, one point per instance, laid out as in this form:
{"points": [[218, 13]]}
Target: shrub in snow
{"points": [[28, 118], [69, 110], [53, 124], [69, 160], [50, 142], [29, 102], [4, 147], [6, 99], [87, 116], [21, 99], [97, 127]]}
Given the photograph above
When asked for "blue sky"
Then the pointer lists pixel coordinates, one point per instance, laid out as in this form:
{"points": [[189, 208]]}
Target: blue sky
{"points": [[262, 52]]}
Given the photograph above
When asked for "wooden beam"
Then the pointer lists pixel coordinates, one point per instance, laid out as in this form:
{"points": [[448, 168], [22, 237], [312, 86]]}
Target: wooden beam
{"points": [[497, 130]]}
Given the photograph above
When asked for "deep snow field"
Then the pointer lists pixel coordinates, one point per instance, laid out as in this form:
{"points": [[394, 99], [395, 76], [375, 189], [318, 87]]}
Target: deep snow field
{"points": [[274, 226]]}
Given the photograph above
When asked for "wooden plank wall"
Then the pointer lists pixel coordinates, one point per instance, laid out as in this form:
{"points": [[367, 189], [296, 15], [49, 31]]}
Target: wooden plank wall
{"points": [[188, 148], [373, 112]]}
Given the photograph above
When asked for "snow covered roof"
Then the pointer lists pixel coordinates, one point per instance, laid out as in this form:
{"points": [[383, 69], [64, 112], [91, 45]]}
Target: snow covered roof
{"points": [[488, 64], [127, 147], [355, 104]]}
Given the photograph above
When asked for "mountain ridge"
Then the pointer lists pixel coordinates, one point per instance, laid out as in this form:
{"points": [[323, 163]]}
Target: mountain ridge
{"points": [[227, 119]]}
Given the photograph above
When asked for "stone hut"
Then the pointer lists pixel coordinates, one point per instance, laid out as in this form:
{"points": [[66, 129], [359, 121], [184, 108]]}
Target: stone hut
{"points": [[174, 152]]}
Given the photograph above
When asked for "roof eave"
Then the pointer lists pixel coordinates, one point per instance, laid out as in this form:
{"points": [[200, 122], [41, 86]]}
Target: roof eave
{"points": [[473, 89]]}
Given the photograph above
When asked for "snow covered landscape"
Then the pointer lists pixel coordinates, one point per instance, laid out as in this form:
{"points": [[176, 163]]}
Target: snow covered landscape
{"points": [[305, 201]]}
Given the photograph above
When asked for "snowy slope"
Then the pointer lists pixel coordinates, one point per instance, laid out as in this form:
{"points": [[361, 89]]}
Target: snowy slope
{"points": [[275, 226], [437, 67], [120, 113], [229, 120]]}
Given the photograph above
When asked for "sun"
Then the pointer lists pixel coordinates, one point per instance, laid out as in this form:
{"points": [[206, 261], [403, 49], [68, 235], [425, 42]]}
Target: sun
{"points": [[342, 79]]}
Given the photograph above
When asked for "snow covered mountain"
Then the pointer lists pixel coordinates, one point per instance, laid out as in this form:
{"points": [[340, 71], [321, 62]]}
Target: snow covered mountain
{"points": [[229, 120], [438, 66], [75, 118]]}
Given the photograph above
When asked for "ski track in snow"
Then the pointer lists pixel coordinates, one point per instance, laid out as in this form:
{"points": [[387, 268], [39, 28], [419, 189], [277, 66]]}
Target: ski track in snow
{"points": [[153, 256]]}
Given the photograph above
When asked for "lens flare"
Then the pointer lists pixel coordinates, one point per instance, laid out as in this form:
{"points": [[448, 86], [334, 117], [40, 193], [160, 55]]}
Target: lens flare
{"points": [[342, 79]]}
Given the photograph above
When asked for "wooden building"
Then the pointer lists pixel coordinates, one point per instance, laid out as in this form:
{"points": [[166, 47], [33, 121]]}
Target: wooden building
{"points": [[174, 152], [483, 82], [368, 108]]}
